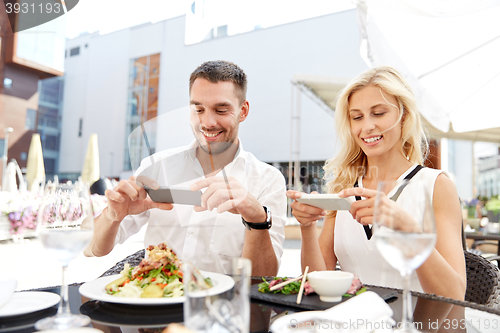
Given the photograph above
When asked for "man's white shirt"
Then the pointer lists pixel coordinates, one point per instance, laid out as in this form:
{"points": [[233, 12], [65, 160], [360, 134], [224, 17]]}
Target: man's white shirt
{"points": [[207, 239]]}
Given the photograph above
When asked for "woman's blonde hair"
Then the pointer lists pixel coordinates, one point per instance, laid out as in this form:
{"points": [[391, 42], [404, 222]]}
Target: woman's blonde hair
{"points": [[343, 170]]}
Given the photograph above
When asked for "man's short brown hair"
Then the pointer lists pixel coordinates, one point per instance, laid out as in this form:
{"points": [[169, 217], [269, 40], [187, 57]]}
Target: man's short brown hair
{"points": [[221, 70]]}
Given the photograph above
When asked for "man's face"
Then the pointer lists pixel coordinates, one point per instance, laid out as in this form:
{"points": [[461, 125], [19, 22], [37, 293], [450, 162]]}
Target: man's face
{"points": [[216, 112]]}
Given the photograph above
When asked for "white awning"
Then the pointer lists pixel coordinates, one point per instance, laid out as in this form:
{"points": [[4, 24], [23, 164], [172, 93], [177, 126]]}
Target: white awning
{"points": [[326, 89], [449, 51]]}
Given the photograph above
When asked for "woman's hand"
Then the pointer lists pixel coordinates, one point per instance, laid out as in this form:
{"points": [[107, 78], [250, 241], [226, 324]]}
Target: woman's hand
{"points": [[392, 215], [361, 210], [305, 214]]}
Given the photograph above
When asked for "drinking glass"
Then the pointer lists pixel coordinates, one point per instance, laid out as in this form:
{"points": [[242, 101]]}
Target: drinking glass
{"points": [[65, 228], [404, 237], [225, 312]]}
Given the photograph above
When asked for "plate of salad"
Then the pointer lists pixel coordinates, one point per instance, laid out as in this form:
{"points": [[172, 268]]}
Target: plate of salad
{"points": [[157, 280]]}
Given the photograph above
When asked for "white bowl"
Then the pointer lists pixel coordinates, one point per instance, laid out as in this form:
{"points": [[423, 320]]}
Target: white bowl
{"points": [[330, 285]]}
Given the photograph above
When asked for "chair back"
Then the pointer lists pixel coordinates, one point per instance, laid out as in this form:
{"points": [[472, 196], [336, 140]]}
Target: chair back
{"points": [[483, 280]]}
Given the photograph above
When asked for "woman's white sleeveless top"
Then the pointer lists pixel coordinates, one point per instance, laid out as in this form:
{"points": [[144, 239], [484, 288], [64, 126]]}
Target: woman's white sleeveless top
{"points": [[358, 255]]}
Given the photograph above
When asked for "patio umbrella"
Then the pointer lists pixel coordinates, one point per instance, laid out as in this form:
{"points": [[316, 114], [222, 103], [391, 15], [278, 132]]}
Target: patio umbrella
{"points": [[449, 51], [91, 171], [10, 183], [35, 170]]}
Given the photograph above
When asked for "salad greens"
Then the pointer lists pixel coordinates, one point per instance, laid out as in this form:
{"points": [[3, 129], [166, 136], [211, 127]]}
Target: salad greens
{"points": [[289, 289], [362, 290], [158, 275]]}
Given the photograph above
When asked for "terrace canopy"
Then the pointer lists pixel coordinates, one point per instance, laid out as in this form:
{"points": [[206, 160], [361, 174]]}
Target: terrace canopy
{"points": [[448, 50]]}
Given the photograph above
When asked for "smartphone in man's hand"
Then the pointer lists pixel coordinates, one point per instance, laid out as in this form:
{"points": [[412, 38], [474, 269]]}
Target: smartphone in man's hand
{"points": [[175, 195]]}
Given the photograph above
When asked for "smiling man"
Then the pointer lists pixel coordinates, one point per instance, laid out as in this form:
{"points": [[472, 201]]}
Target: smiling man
{"points": [[243, 206]]}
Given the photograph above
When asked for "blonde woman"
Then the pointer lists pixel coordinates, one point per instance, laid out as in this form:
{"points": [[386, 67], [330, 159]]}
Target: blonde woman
{"points": [[382, 139]]}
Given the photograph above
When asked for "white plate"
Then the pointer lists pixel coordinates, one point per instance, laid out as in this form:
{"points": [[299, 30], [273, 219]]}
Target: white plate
{"points": [[27, 302], [96, 290], [7, 288]]}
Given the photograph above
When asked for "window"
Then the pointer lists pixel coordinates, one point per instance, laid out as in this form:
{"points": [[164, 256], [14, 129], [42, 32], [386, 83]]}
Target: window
{"points": [[144, 77], [47, 116], [74, 51], [80, 125], [50, 165], [24, 156], [2, 143], [30, 123], [47, 121], [7, 83], [51, 142]]}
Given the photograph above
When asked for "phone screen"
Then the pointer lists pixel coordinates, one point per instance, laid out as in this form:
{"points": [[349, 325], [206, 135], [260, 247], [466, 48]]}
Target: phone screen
{"points": [[182, 196]]}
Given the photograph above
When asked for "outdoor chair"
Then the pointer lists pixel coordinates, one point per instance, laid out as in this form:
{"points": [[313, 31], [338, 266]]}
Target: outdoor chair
{"points": [[494, 244], [483, 280]]}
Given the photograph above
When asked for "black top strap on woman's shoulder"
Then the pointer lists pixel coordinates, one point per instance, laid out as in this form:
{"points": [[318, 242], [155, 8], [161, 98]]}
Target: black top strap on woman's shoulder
{"points": [[368, 230]]}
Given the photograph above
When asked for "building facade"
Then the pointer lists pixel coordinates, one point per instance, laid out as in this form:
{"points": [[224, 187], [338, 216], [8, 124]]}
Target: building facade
{"points": [[25, 58], [49, 122], [115, 81]]}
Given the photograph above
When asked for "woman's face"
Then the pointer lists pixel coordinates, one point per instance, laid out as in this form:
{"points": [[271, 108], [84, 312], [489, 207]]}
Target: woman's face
{"points": [[374, 121]]}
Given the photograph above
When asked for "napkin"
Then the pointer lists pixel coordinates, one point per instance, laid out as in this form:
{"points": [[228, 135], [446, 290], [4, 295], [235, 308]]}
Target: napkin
{"points": [[7, 288], [364, 313]]}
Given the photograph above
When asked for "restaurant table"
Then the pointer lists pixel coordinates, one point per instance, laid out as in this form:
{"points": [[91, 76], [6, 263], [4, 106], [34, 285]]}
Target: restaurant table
{"points": [[429, 310], [479, 235]]}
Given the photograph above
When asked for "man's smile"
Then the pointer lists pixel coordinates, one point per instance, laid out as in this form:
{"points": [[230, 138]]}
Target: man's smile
{"points": [[210, 134]]}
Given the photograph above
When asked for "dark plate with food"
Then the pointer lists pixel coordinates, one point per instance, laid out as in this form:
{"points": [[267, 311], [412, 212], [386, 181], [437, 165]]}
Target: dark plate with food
{"points": [[287, 294]]}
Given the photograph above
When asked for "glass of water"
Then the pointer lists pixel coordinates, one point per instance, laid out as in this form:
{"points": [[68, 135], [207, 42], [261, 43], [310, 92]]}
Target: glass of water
{"points": [[404, 233], [65, 227], [219, 313]]}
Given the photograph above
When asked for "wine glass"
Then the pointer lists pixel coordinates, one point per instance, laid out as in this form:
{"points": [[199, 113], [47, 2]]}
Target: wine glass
{"points": [[405, 237], [65, 228], [225, 312]]}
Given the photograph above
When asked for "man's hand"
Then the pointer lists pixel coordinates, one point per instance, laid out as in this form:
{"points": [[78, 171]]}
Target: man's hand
{"points": [[229, 196], [130, 198]]}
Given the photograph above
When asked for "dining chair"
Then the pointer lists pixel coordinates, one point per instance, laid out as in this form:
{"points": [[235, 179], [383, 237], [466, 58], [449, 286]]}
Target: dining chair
{"points": [[493, 245], [483, 279], [475, 250]]}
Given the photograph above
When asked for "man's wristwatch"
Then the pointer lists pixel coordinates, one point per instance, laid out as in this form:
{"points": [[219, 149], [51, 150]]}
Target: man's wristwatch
{"points": [[260, 225]]}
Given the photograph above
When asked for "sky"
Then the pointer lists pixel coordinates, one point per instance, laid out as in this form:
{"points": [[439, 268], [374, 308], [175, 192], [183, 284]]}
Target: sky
{"points": [[112, 15]]}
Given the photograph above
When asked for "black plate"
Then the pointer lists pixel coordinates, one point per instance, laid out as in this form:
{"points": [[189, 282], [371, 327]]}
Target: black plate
{"points": [[143, 316], [312, 301]]}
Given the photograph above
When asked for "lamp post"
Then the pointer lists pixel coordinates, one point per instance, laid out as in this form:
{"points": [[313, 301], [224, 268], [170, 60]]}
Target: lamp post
{"points": [[5, 150]]}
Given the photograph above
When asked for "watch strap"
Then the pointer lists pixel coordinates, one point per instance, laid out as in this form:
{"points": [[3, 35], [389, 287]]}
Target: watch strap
{"points": [[267, 224]]}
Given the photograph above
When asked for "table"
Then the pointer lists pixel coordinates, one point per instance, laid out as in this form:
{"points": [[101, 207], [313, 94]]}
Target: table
{"points": [[429, 310], [485, 236]]}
